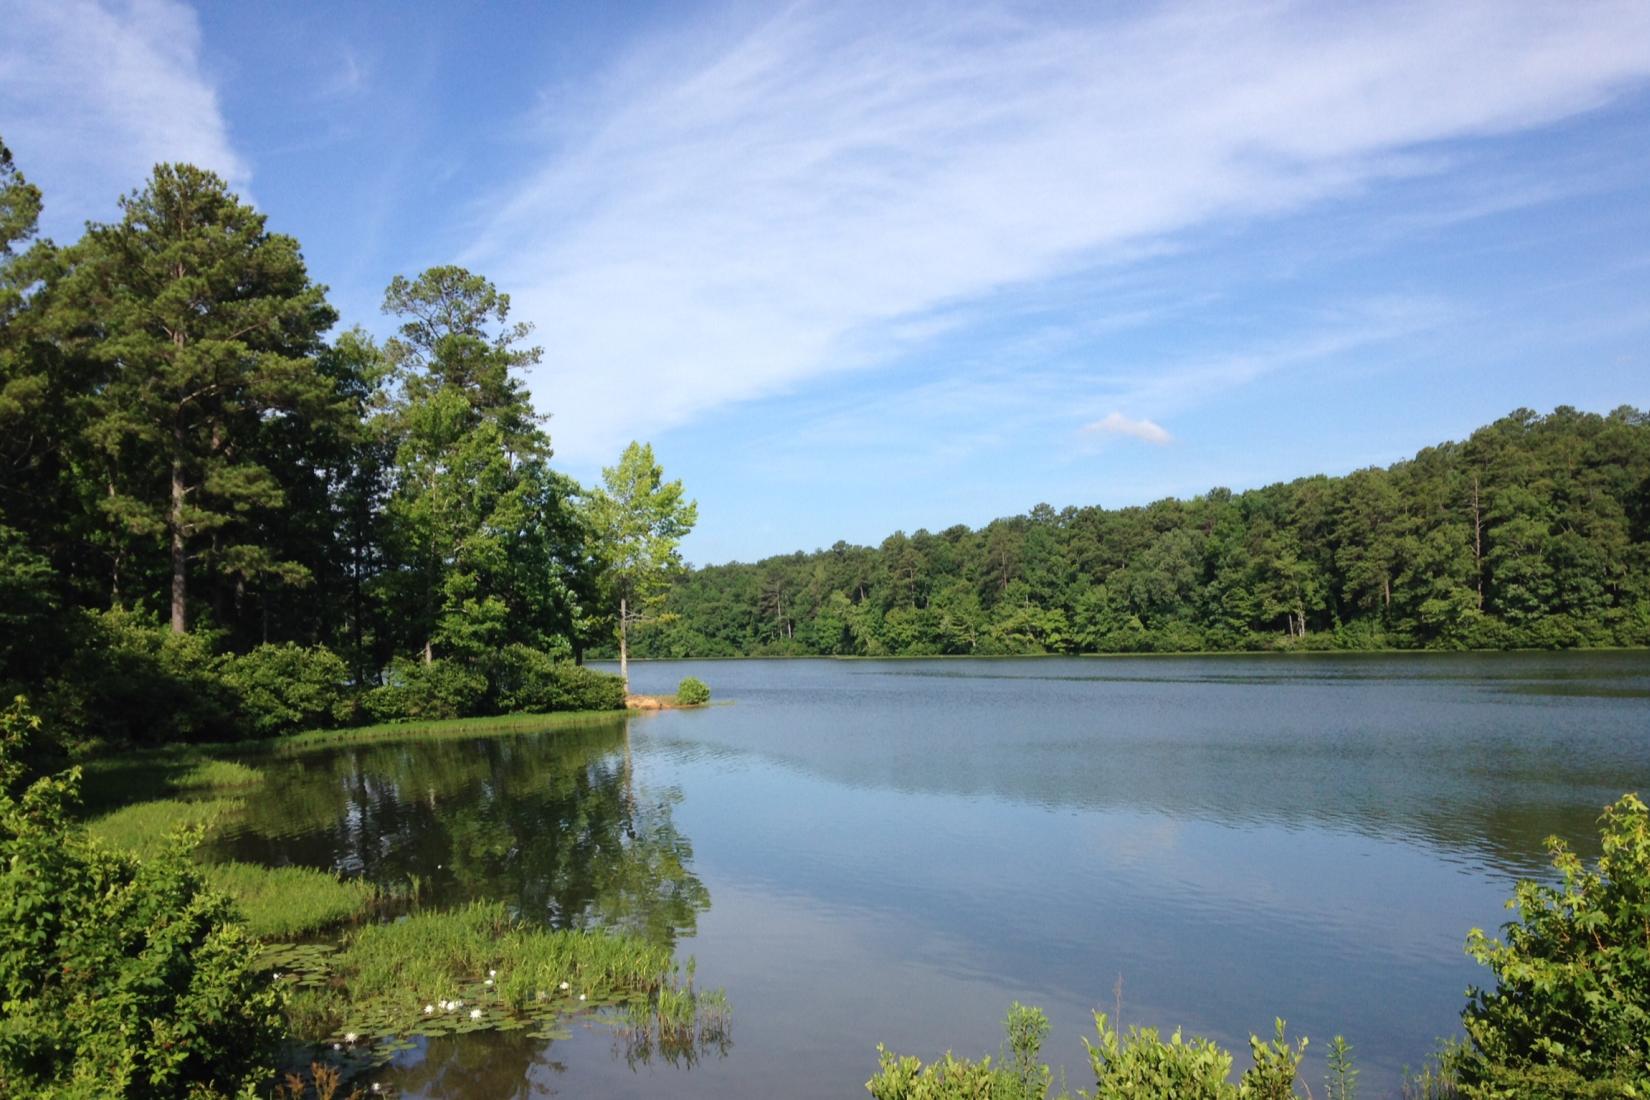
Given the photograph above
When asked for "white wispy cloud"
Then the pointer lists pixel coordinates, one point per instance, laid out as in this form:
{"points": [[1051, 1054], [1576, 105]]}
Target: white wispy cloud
{"points": [[1116, 423], [94, 94], [801, 197]]}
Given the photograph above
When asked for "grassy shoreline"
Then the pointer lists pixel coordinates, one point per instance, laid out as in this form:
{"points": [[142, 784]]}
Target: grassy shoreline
{"points": [[141, 801]]}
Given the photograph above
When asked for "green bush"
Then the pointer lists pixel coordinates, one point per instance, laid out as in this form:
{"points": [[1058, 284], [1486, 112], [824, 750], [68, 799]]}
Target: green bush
{"points": [[1570, 1014], [426, 690], [1016, 1075], [120, 977], [527, 679], [131, 680], [287, 688], [692, 692]]}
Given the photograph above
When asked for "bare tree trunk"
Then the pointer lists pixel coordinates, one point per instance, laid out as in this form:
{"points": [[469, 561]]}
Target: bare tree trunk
{"points": [[180, 558], [429, 653], [624, 647]]}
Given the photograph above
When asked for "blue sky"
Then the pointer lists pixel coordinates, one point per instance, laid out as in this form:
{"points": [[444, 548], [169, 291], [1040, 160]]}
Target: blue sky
{"points": [[855, 268]]}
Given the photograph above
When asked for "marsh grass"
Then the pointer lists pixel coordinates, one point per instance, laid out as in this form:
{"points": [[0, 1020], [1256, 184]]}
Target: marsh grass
{"points": [[281, 902], [277, 902], [475, 968], [452, 727], [148, 828]]}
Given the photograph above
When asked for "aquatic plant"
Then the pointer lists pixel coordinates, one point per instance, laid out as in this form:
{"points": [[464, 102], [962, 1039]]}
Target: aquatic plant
{"points": [[281, 902], [474, 967]]}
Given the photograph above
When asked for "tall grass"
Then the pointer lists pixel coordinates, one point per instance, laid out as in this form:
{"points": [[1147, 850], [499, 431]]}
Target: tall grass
{"points": [[145, 829], [282, 902], [478, 967]]}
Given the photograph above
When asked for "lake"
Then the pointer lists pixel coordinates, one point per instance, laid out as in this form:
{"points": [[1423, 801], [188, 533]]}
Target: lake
{"points": [[894, 851]]}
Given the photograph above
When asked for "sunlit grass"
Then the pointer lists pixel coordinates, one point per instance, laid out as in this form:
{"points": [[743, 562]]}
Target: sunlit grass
{"points": [[478, 967], [278, 902], [146, 828], [451, 727], [281, 902]]}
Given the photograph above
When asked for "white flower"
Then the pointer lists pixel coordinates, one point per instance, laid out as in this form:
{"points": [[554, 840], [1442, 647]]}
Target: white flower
{"points": [[458, 1004], [277, 975], [337, 1046], [489, 981], [349, 1037], [428, 1009], [475, 1013], [564, 985], [581, 996], [492, 973]]}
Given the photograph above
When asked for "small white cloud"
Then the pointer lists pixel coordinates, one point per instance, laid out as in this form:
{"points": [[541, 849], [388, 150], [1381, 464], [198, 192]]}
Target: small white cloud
{"points": [[739, 213], [1144, 430]]}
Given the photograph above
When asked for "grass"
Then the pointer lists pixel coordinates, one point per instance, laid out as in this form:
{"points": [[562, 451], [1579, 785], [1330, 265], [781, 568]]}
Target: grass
{"points": [[146, 828], [450, 727], [473, 968], [278, 902], [282, 902]]}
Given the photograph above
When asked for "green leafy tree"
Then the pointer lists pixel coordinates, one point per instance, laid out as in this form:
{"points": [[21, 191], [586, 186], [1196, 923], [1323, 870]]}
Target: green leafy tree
{"points": [[638, 520], [201, 324], [485, 546]]}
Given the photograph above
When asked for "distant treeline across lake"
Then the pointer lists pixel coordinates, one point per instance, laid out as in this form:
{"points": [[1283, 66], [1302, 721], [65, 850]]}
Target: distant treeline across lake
{"points": [[1534, 532]]}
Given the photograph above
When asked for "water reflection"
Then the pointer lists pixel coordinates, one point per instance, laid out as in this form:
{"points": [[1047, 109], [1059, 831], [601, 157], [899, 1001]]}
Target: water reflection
{"points": [[1478, 756], [554, 824]]}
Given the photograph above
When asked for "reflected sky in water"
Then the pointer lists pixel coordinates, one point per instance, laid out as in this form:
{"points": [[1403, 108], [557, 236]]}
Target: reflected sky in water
{"points": [[893, 851]]}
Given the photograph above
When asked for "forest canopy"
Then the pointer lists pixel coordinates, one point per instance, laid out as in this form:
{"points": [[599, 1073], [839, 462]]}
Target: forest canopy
{"points": [[1534, 532], [221, 519]]}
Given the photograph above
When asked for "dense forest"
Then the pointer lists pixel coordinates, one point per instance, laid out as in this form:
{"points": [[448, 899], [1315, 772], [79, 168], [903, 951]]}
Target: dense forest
{"points": [[1535, 532], [216, 520]]}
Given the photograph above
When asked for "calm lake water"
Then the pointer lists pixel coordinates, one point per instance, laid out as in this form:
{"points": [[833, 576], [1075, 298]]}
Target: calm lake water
{"points": [[865, 851]]}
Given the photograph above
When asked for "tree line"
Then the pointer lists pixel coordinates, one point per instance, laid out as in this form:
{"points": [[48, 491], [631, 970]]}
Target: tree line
{"points": [[1534, 532], [217, 519]]}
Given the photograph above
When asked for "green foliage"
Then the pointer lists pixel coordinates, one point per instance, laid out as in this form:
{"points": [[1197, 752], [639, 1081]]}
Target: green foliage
{"points": [[1341, 1082], [280, 902], [692, 692], [1016, 1075], [1570, 1014], [1142, 1066], [1277, 1064], [132, 681], [473, 968], [148, 829], [287, 688], [435, 689], [637, 519], [530, 680], [119, 977], [1532, 533]]}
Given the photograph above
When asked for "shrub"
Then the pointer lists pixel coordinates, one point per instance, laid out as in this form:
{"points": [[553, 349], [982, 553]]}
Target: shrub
{"points": [[1017, 1075], [692, 692], [1141, 1066], [527, 679], [120, 977], [437, 689], [287, 688], [130, 680], [1570, 1014]]}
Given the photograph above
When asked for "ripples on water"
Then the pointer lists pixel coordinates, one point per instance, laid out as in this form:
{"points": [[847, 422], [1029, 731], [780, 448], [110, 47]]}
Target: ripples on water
{"points": [[863, 851]]}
